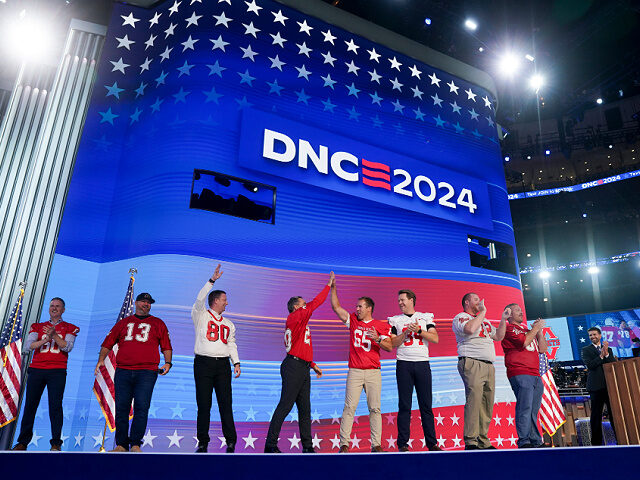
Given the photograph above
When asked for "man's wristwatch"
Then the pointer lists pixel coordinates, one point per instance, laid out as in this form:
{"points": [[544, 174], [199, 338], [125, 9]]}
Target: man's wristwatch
{"points": [[211, 280], [169, 363], [236, 364], [420, 332]]}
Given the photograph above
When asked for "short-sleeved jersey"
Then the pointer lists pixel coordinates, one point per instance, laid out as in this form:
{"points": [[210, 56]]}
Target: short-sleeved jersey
{"points": [[623, 338], [478, 344], [49, 354], [297, 336], [609, 335], [414, 348], [518, 359], [364, 353], [138, 340]]}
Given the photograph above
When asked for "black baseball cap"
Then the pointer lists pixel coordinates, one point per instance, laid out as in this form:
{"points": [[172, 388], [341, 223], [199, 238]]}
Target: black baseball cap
{"points": [[145, 296]]}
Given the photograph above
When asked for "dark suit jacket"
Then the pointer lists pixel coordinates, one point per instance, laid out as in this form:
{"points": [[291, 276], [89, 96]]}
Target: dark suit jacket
{"points": [[591, 358]]}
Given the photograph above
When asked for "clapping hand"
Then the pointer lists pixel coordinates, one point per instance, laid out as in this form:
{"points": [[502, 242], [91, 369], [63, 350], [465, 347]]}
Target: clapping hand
{"points": [[481, 307]]}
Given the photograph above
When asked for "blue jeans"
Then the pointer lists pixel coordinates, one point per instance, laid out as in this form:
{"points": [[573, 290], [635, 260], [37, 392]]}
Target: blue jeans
{"points": [[136, 386], [528, 390]]}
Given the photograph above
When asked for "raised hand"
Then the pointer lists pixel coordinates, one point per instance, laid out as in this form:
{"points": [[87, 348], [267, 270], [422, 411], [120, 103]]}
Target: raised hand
{"points": [[481, 307], [217, 273], [332, 278], [506, 314]]}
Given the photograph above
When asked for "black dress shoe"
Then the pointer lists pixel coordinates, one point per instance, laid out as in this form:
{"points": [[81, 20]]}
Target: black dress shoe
{"points": [[272, 449], [526, 445], [308, 450], [471, 447], [403, 448], [434, 448], [231, 447], [202, 448]]}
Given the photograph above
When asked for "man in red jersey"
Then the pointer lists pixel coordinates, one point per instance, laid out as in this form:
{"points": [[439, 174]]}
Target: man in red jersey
{"points": [[138, 338], [51, 342], [366, 337], [296, 381], [522, 348]]}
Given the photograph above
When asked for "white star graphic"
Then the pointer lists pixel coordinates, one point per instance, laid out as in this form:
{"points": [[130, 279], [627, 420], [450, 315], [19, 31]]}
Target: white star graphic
{"points": [[335, 441], [193, 20], [328, 58], [474, 115], [434, 80], [395, 63], [487, 103], [441, 441], [97, 439], [304, 27], [148, 439], [303, 49], [218, 43], [174, 8], [278, 39], [454, 419], [295, 442], [436, 101], [373, 55], [335, 418], [580, 328], [497, 419], [145, 65], [250, 29], [316, 441], [177, 411], [252, 7], [276, 62], [351, 46], [352, 68], [154, 20], [415, 72], [455, 107], [279, 17], [355, 442], [315, 416], [169, 31], [189, 43], [391, 442], [453, 87], [456, 441], [396, 84], [470, 95], [79, 437], [251, 414], [129, 20], [149, 43], [500, 440], [174, 439], [328, 37], [374, 76], [222, 20], [303, 72], [249, 441], [510, 420], [165, 55], [223, 442], [439, 419], [513, 440], [124, 42], [248, 53], [582, 340], [119, 65], [328, 81], [417, 92]]}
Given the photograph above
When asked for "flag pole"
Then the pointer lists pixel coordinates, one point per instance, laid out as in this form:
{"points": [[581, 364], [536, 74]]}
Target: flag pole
{"points": [[132, 272]]}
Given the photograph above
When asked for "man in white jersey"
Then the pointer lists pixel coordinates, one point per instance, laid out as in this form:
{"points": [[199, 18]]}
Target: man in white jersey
{"points": [[410, 333], [215, 346], [476, 354]]}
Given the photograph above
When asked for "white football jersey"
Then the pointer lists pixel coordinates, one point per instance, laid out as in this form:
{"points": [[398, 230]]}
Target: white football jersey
{"points": [[415, 348], [478, 344]]}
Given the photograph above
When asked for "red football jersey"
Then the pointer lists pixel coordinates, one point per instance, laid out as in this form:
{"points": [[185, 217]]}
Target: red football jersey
{"points": [[364, 353], [518, 359], [138, 340], [49, 354], [297, 337]]}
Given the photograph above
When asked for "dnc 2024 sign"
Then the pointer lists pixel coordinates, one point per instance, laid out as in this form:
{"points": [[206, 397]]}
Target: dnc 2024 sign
{"points": [[298, 152]]}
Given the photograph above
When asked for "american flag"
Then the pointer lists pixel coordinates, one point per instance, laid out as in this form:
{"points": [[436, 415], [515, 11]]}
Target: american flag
{"points": [[190, 58], [551, 412], [11, 358], [104, 386]]}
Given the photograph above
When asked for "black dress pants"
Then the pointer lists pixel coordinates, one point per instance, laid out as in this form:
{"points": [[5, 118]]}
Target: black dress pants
{"points": [[598, 400], [213, 373], [296, 388], [410, 375]]}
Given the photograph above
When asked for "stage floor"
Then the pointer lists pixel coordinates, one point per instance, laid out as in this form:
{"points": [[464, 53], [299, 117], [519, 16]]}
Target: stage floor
{"points": [[549, 463]]}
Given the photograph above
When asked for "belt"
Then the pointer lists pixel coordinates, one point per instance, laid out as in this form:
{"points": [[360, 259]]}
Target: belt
{"points": [[298, 359], [477, 359], [212, 358]]}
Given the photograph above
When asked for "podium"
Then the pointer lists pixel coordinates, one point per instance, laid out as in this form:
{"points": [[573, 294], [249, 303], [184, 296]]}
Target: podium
{"points": [[623, 385]]}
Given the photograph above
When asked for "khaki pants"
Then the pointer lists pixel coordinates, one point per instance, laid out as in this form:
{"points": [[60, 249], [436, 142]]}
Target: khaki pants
{"points": [[479, 388], [371, 381]]}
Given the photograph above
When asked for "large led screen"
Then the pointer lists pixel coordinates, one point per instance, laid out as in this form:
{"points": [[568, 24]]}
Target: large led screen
{"points": [[377, 166]]}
